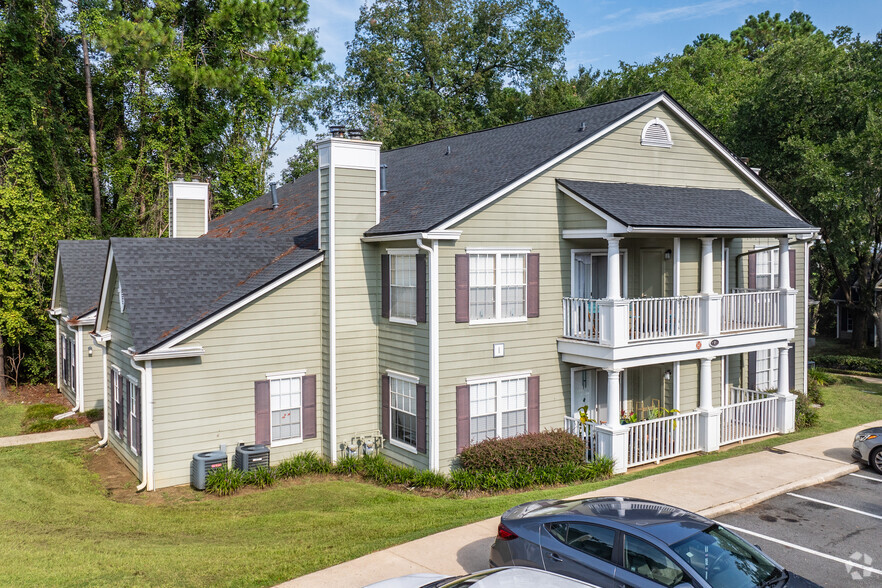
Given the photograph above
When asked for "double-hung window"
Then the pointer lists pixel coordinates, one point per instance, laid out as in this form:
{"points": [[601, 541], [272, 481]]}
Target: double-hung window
{"points": [[116, 383], [497, 408], [286, 405], [134, 415], [403, 407], [767, 269], [68, 361], [497, 286], [767, 369], [403, 286]]}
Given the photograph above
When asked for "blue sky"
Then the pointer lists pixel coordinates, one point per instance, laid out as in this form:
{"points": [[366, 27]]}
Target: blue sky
{"points": [[607, 31]]}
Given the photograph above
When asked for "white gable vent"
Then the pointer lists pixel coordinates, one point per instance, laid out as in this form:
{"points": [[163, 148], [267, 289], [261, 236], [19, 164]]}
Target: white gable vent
{"points": [[656, 134]]}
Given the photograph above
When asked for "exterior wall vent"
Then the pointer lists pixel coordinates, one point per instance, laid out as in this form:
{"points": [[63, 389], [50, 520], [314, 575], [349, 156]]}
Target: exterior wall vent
{"points": [[656, 134]]}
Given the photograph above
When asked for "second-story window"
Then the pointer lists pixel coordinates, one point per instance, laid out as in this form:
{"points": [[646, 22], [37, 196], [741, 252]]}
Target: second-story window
{"points": [[497, 286], [403, 287], [767, 270]]}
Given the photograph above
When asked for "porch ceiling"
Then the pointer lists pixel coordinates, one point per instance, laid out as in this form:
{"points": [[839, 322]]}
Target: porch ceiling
{"points": [[640, 206]]}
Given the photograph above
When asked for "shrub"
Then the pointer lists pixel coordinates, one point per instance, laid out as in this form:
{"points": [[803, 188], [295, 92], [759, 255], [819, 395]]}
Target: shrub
{"points": [[806, 415], [850, 363], [94, 414], [224, 481], [261, 477], [347, 466], [527, 452], [428, 479], [599, 468], [301, 464], [463, 480], [821, 377]]}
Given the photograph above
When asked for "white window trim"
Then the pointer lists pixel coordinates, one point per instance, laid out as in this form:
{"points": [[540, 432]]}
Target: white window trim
{"points": [[652, 143], [497, 251], [415, 380], [498, 380], [114, 392], [290, 375], [771, 370], [129, 415], [774, 271], [403, 252]]}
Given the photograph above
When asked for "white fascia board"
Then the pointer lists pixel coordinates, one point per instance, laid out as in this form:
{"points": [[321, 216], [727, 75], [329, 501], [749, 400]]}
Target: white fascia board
{"points": [[194, 351], [430, 235], [612, 225], [210, 320], [101, 337], [587, 233], [53, 304], [713, 232], [105, 298], [548, 165]]}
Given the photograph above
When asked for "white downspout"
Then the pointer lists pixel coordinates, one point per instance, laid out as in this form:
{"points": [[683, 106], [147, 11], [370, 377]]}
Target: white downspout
{"points": [[146, 424], [105, 405], [78, 393], [434, 360]]}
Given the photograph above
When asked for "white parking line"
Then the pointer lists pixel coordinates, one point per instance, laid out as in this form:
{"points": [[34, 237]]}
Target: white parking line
{"points": [[847, 562], [866, 514], [866, 477]]}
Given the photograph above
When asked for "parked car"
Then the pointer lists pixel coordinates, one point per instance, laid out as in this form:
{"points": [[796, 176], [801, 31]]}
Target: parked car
{"points": [[624, 542], [868, 447], [509, 577]]}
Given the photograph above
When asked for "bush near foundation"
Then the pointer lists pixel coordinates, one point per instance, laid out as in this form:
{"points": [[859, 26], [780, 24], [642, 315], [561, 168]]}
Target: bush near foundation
{"points": [[849, 363], [528, 452]]}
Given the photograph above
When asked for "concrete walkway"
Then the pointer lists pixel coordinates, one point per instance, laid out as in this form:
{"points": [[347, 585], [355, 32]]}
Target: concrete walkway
{"points": [[91, 431], [711, 489]]}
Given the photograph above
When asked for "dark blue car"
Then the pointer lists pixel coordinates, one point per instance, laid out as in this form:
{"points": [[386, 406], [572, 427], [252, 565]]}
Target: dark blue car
{"points": [[624, 542]]}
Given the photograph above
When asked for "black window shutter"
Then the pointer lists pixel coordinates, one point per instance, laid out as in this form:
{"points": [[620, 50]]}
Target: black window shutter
{"points": [[385, 289], [385, 403], [462, 288], [309, 407], [751, 370], [793, 268], [421, 418], [463, 424], [533, 404], [791, 366], [532, 285], [421, 288], [751, 270], [262, 416]]}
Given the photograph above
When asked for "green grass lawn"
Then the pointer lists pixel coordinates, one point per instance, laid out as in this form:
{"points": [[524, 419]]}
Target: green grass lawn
{"points": [[59, 527], [11, 417]]}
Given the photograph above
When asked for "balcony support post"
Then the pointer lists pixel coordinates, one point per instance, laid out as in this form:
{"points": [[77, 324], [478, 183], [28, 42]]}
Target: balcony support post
{"points": [[613, 268], [711, 303], [612, 437], [787, 307], [786, 400], [707, 265], [709, 416]]}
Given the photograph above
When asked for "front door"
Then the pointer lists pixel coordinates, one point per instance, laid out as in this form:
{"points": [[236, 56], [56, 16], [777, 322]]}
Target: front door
{"points": [[652, 273], [589, 389]]}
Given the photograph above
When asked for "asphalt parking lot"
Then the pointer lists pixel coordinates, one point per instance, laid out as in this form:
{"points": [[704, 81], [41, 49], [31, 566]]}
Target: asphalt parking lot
{"points": [[830, 533]]}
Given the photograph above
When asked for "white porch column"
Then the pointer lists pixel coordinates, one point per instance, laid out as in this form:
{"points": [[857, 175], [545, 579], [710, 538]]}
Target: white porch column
{"points": [[707, 265], [709, 417], [788, 294], [612, 438], [613, 269], [786, 400], [783, 262]]}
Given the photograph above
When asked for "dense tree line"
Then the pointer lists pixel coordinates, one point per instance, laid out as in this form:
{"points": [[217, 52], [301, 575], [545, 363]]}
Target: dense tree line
{"points": [[103, 101]]}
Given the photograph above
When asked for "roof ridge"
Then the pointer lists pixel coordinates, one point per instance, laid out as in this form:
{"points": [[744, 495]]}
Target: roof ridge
{"points": [[529, 120]]}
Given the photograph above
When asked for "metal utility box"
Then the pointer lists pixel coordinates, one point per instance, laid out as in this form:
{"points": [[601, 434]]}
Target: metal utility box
{"points": [[203, 463], [251, 457]]}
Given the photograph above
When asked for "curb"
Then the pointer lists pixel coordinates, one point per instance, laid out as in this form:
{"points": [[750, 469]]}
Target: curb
{"points": [[736, 505]]}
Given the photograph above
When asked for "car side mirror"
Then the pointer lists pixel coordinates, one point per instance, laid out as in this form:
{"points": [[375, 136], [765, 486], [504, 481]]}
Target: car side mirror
{"points": [[757, 546]]}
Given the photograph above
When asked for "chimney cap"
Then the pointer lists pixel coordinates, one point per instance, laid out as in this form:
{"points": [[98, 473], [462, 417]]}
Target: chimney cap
{"points": [[338, 131], [356, 134]]}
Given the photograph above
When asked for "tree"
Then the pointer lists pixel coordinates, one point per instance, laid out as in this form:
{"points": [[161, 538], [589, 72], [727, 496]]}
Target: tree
{"points": [[302, 162], [418, 70]]}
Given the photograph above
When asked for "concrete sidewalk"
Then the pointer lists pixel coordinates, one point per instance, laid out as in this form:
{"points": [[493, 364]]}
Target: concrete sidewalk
{"points": [[710, 489], [91, 431]]}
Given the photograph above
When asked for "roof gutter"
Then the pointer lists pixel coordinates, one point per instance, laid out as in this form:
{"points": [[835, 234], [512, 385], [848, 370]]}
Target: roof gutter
{"points": [[194, 351], [411, 236], [434, 355]]}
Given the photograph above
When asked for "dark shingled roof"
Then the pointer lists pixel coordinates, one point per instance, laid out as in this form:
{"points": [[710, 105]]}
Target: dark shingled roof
{"points": [[427, 186], [82, 266], [171, 285], [639, 205], [296, 218]]}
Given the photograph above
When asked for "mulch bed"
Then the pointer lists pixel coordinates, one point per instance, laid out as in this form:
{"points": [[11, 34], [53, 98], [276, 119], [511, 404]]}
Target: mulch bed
{"points": [[43, 394]]}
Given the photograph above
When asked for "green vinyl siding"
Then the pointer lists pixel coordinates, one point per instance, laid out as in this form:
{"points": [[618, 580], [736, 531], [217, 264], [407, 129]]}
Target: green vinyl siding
{"points": [[121, 340], [203, 402], [575, 215], [93, 373], [357, 304], [189, 217]]}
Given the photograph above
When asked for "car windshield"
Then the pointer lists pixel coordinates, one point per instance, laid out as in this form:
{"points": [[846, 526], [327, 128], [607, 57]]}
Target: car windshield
{"points": [[725, 560]]}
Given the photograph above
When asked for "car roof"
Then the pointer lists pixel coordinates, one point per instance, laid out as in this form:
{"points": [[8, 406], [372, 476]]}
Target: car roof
{"points": [[522, 576], [667, 523]]}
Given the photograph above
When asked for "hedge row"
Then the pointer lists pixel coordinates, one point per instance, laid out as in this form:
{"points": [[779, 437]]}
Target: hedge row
{"points": [[850, 363], [531, 451], [377, 468]]}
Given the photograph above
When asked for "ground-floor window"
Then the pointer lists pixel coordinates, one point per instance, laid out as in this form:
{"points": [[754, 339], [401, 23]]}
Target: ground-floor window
{"points": [[69, 361], [286, 402], [133, 396], [497, 408], [118, 404], [767, 369], [403, 407]]}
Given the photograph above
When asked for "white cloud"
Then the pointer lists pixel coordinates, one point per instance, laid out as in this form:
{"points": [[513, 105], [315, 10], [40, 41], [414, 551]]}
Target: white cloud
{"points": [[643, 19]]}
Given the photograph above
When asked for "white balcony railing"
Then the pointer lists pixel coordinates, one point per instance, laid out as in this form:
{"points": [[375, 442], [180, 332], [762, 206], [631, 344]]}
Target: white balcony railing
{"points": [[581, 319], [755, 414], [663, 318], [744, 311], [586, 431], [658, 439]]}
